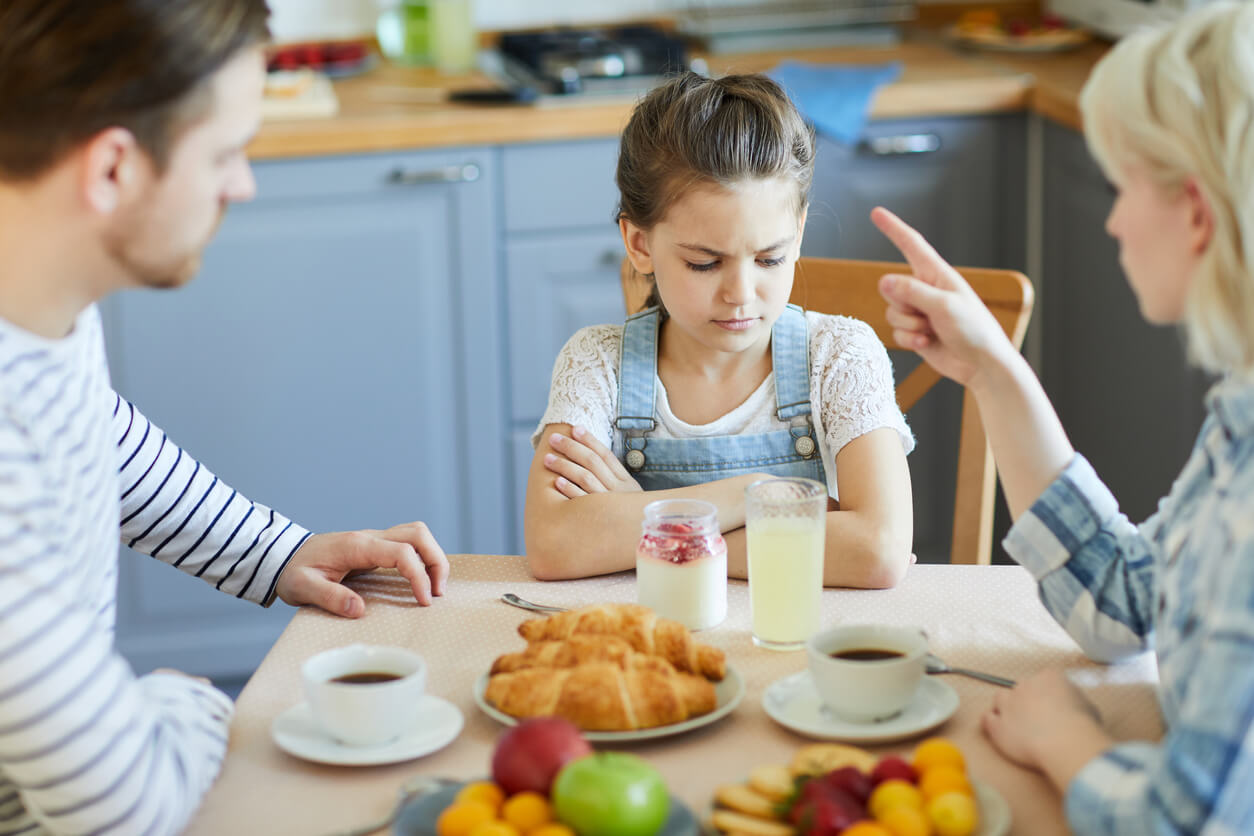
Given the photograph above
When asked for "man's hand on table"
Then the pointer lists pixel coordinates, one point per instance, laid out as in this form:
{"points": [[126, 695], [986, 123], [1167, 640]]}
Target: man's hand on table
{"points": [[314, 574], [1046, 723]]}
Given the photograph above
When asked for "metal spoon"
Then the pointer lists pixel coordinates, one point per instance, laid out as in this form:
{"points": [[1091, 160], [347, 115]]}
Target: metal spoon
{"points": [[411, 789], [514, 601], [934, 664]]}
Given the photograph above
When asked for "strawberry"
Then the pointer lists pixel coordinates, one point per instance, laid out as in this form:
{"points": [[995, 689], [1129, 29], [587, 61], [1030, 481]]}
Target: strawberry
{"points": [[822, 809], [851, 780]]}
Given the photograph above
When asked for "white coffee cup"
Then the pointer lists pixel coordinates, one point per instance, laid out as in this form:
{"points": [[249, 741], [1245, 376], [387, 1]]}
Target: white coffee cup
{"points": [[365, 713], [865, 690]]}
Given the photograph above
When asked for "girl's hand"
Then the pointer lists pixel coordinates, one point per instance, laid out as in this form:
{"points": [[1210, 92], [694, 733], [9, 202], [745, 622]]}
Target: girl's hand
{"points": [[1040, 715], [584, 465], [935, 312]]}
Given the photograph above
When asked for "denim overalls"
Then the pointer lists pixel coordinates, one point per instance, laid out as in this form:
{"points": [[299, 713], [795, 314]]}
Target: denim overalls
{"points": [[658, 463]]}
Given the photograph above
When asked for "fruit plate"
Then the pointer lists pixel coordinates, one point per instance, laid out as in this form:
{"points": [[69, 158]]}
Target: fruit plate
{"points": [[727, 693], [417, 818], [994, 811]]}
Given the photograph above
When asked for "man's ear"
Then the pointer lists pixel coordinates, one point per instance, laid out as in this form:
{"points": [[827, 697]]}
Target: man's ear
{"points": [[636, 242], [113, 168], [1201, 217]]}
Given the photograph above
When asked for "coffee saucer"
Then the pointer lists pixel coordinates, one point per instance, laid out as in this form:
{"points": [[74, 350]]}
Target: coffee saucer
{"points": [[296, 732], [794, 703]]}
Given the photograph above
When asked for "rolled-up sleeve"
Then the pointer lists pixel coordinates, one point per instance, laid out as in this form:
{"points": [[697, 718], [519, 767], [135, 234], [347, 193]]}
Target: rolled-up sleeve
{"points": [[1094, 567]]}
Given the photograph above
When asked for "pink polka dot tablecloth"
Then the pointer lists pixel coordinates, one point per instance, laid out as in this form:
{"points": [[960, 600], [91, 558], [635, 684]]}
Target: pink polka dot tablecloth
{"points": [[983, 617]]}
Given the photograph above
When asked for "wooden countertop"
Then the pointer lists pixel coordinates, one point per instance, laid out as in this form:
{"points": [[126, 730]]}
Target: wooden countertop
{"points": [[400, 108]]}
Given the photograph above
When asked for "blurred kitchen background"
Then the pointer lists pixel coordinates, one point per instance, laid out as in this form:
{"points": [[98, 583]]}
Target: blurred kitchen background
{"points": [[297, 20], [414, 261]]}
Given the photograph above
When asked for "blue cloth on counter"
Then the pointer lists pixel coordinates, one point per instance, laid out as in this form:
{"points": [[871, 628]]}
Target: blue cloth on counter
{"points": [[835, 97]]}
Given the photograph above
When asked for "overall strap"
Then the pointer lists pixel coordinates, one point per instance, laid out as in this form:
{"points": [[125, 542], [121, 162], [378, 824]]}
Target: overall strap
{"points": [[637, 371], [790, 357]]}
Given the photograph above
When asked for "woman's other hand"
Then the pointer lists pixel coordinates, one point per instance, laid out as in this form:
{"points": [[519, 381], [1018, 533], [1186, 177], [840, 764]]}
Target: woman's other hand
{"points": [[1046, 723], [583, 465], [935, 312]]}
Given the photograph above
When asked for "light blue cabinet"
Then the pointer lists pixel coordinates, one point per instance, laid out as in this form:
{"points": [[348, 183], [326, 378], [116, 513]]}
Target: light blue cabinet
{"points": [[338, 357], [1125, 394], [562, 257]]}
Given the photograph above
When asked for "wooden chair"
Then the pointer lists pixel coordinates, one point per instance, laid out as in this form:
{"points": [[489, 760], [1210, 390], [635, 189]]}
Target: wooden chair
{"points": [[840, 286]]}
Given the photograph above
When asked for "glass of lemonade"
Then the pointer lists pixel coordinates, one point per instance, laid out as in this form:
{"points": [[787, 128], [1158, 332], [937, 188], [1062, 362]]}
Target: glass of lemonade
{"points": [[785, 523]]}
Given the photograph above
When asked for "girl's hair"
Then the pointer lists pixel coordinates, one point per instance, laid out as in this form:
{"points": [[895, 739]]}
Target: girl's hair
{"points": [[699, 131], [1179, 102]]}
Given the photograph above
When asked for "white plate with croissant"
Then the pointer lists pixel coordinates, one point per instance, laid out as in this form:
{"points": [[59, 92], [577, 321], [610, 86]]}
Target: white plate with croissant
{"points": [[617, 671]]}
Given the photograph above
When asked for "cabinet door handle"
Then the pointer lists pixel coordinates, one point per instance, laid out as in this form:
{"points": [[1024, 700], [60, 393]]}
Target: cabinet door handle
{"points": [[901, 144], [465, 173]]}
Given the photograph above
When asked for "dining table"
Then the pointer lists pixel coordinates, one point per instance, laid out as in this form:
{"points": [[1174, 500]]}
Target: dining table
{"points": [[987, 618]]}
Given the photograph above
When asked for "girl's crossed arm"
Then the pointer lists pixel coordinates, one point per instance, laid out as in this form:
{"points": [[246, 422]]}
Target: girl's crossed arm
{"points": [[584, 510]]}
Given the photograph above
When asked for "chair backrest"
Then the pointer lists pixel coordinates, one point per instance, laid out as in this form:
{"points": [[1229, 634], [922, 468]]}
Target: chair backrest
{"points": [[841, 286]]}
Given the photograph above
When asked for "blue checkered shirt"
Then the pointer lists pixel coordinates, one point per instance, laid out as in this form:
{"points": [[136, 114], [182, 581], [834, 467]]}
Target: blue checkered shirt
{"points": [[1182, 584]]}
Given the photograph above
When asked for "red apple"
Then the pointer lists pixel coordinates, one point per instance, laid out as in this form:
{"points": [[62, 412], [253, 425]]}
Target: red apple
{"points": [[529, 756], [893, 767]]}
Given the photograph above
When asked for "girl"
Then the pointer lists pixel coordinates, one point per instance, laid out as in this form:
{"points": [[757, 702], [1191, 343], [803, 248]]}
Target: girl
{"points": [[720, 382], [1170, 117]]}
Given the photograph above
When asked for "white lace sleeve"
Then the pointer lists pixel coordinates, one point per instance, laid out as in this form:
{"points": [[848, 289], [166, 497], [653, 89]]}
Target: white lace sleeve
{"points": [[584, 389], [851, 381]]}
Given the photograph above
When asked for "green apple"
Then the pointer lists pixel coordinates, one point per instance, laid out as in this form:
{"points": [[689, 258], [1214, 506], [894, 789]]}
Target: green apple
{"points": [[611, 794]]}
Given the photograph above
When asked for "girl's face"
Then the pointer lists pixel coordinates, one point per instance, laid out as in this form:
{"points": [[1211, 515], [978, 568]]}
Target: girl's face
{"points": [[1162, 235], [723, 260]]}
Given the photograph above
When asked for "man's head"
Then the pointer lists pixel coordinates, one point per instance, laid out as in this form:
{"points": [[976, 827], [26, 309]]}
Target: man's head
{"points": [[136, 112]]}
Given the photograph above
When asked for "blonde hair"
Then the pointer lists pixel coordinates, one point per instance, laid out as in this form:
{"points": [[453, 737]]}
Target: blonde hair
{"points": [[1179, 103]]}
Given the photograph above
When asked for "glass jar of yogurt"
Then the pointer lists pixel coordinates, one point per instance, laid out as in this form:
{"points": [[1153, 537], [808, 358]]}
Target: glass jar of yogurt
{"points": [[681, 563]]}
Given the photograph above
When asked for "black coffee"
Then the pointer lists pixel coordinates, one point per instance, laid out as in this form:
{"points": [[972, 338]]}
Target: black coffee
{"points": [[366, 678], [867, 654]]}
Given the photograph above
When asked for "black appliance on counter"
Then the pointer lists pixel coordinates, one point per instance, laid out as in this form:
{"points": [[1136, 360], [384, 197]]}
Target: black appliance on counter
{"points": [[626, 60]]}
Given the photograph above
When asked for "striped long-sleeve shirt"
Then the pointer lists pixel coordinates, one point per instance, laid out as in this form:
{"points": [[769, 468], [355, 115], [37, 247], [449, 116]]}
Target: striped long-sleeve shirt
{"points": [[85, 745], [1183, 584]]}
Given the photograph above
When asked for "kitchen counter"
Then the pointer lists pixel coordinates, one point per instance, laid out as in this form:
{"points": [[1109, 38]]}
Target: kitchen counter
{"points": [[395, 107]]}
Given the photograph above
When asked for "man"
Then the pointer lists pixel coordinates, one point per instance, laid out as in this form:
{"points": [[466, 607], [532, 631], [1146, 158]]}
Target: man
{"points": [[123, 125]]}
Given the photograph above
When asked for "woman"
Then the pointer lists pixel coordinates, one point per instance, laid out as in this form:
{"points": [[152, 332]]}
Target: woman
{"points": [[1169, 115]]}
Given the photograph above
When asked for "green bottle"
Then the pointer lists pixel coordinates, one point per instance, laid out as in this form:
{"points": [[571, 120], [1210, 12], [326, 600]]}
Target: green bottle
{"points": [[404, 31]]}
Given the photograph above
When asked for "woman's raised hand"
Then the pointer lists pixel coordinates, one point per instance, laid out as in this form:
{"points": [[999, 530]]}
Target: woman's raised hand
{"points": [[584, 465], [935, 312]]}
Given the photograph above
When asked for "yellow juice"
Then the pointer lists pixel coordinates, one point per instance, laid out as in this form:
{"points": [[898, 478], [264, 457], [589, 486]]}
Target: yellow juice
{"points": [[785, 579]]}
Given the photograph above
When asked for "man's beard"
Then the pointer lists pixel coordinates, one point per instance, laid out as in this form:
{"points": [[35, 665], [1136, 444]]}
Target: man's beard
{"points": [[156, 272]]}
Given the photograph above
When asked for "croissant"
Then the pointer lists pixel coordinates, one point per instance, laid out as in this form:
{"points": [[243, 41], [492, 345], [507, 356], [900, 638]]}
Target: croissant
{"points": [[601, 696], [579, 649], [642, 629]]}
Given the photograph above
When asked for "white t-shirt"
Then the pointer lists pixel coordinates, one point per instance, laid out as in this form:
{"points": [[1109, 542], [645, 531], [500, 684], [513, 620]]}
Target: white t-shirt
{"points": [[851, 391]]}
